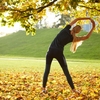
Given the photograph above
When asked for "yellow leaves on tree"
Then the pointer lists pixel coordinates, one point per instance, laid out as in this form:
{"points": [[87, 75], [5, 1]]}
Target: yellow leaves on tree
{"points": [[22, 10]]}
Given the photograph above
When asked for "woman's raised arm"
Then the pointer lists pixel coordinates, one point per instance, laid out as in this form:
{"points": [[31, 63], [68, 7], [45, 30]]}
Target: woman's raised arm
{"points": [[93, 26], [90, 32], [77, 19]]}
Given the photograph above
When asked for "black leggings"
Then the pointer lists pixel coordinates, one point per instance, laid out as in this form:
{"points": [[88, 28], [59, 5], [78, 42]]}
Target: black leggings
{"points": [[58, 54]]}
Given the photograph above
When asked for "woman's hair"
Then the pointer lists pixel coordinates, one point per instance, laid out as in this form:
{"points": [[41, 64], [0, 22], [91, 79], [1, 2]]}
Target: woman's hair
{"points": [[77, 29], [75, 44]]}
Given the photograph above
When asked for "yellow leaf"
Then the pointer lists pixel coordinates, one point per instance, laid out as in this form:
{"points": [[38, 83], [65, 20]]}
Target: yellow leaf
{"points": [[36, 98], [60, 97]]}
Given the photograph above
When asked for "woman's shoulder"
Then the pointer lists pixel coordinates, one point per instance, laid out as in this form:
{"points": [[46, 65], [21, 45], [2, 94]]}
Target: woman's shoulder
{"points": [[68, 26]]}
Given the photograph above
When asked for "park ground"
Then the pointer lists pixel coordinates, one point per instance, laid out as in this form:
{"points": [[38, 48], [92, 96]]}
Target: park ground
{"points": [[22, 64], [21, 79]]}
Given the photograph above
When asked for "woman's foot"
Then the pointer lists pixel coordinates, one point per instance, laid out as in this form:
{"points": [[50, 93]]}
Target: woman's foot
{"points": [[44, 90], [76, 91]]}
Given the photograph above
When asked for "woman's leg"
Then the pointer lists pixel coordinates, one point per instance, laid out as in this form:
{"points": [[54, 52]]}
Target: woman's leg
{"points": [[49, 59], [62, 62]]}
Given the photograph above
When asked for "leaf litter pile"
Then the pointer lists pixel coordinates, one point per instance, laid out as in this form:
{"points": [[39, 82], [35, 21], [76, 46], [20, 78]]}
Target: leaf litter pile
{"points": [[27, 86]]}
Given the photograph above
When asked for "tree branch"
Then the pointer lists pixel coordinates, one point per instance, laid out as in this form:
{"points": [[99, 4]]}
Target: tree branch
{"points": [[30, 9], [43, 7], [89, 7]]}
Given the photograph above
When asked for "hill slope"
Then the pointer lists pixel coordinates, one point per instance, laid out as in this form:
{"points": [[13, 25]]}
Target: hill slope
{"points": [[18, 44]]}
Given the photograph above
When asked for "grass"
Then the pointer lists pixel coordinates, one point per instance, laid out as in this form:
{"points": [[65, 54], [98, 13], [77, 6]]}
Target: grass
{"points": [[38, 65], [20, 45], [19, 52]]}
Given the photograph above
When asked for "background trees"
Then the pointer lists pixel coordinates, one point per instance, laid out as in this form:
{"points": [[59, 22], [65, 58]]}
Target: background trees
{"points": [[29, 12]]}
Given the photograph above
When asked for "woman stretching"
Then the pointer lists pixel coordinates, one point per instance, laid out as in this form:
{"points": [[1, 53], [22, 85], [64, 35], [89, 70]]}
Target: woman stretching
{"points": [[57, 47]]}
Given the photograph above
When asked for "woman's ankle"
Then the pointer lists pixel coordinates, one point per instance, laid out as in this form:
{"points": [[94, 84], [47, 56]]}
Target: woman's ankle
{"points": [[44, 90]]}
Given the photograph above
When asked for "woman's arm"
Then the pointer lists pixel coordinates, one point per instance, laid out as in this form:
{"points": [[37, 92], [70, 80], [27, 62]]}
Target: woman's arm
{"points": [[77, 19], [88, 35], [93, 26]]}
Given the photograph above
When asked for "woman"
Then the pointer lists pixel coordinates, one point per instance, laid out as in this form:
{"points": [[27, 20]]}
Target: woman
{"points": [[57, 47]]}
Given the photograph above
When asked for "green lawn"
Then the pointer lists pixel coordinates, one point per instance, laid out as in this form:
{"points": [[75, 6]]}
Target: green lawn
{"points": [[20, 45], [38, 65]]}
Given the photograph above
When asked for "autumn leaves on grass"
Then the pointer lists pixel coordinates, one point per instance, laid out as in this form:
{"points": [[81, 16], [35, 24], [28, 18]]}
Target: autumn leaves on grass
{"points": [[27, 86]]}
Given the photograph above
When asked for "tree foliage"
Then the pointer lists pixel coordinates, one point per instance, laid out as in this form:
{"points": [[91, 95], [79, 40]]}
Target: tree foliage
{"points": [[29, 12]]}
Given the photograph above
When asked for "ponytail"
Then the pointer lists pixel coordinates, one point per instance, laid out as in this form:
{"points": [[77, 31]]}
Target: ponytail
{"points": [[75, 44]]}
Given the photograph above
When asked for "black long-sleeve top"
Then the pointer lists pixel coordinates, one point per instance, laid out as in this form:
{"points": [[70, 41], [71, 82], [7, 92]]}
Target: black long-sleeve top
{"points": [[64, 37]]}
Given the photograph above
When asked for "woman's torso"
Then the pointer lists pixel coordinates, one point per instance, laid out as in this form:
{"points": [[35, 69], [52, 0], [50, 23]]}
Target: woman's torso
{"points": [[64, 37]]}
